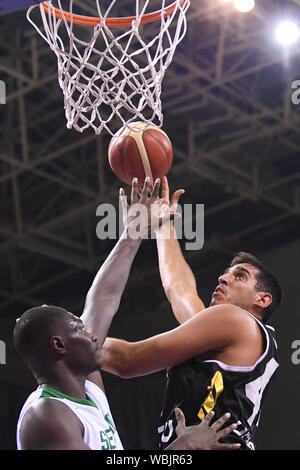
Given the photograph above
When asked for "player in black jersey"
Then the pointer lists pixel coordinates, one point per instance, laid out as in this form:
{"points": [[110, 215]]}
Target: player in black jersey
{"points": [[220, 358]]}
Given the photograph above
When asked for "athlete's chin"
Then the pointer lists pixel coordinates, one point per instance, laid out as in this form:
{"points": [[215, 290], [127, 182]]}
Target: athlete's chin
{"points": [[217, 301]]}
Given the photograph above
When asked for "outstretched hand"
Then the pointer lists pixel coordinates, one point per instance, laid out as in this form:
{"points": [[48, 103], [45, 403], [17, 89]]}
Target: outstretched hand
{"points": [[203, 436], [165, 195], [163, 207], [147, 212]]}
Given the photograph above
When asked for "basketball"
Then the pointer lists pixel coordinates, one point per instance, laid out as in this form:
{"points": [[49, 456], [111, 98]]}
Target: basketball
{"points": [[140, 153]]}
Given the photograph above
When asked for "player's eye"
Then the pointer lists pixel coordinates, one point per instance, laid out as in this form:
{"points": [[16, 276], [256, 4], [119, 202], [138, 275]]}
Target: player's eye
{"points": [[240, 276]]}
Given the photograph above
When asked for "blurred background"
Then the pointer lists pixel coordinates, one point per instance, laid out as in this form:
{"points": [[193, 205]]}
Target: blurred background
{"points": [[229, 112]]}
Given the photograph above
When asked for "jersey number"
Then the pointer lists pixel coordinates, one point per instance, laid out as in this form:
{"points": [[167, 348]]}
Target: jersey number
{"points": [[215, 388]]}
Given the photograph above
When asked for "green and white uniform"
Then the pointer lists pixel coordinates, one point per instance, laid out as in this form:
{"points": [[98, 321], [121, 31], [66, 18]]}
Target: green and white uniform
{"points": [[94, 413]]}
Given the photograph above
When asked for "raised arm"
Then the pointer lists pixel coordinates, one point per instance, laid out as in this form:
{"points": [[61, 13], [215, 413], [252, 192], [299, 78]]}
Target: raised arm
{"points": [[177, 278], [104, 295], [103, 298]]}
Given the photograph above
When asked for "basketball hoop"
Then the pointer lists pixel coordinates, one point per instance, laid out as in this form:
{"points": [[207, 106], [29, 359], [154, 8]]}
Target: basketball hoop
{"points": [[110, 69]]}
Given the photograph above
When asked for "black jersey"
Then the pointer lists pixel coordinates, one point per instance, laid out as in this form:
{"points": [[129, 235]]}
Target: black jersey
{"points": [[198, 386]]}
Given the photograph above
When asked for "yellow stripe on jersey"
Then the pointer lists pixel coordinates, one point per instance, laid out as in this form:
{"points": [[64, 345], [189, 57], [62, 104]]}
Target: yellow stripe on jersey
{"points": [[215, 389]]}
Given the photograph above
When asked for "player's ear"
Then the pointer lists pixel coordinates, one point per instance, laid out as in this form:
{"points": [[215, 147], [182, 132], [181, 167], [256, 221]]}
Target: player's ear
{"points": [[57, 345], [263, 299]]}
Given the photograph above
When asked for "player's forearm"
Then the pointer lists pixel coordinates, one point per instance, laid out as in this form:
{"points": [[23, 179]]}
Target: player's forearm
{"points": [[177, 277], [104, 295], [174, 270], [133, 359], [111, 278], [114, 356]]}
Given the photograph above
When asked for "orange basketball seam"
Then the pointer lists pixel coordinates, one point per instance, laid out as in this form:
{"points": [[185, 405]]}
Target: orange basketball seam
{"points": [[162, 147], [143, 153], [125, 176]]}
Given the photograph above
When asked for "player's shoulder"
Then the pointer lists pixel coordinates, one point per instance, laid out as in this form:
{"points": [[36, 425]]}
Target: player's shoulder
{"points": [[47, 410], [226, 310], [228, 316], [45, 418]]}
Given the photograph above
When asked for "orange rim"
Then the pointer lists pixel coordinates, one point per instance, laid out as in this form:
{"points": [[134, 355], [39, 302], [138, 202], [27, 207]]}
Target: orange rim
{"points": [[111, 22]]}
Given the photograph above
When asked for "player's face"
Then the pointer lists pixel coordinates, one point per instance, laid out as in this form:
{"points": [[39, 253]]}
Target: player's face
{"points": [[237, 286], [82, 348]]}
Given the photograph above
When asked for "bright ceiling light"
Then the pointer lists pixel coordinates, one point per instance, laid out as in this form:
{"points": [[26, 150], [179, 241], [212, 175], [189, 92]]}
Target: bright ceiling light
{"points": [[287, 33], [244, 5]]}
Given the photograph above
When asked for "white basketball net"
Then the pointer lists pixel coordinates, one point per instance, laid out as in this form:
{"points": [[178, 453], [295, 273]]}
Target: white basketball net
{"points": [[111, 76]]}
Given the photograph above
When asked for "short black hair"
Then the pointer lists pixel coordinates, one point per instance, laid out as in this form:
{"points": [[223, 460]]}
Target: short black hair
{"points": [[266, 281], [35, 326]]}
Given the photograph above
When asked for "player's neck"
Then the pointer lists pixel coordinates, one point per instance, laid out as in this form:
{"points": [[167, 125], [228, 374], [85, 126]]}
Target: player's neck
{"points": [[69, 385], [256, 314]]}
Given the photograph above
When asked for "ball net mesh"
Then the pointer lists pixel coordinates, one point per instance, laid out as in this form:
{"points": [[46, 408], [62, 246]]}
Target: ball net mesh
{"points": [[111, 74]]}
